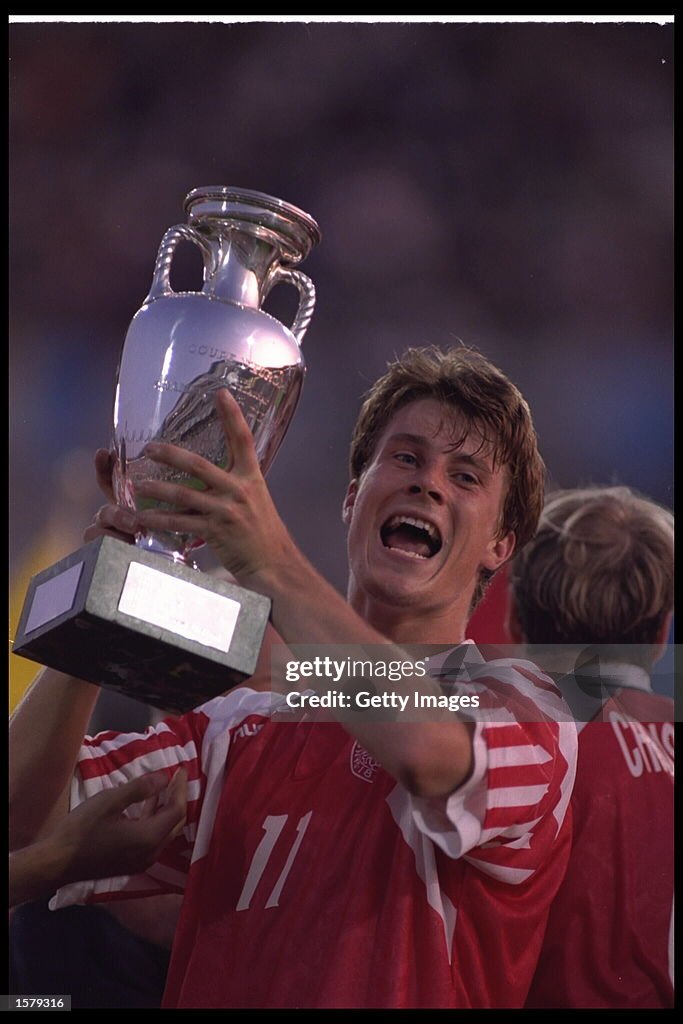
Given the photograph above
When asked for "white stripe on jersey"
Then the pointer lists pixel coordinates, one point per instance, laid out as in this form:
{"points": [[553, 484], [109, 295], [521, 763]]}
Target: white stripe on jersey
{"points": [[425, 863], [529, 753], [516, 796], [162, 873], [568, 742], [149, 760], [224, 713], [457, 826], [544, 693], [511, 832], [194, 790], [80, 892], [503, 720], [513, 876], [523, 843], [551, 704]]}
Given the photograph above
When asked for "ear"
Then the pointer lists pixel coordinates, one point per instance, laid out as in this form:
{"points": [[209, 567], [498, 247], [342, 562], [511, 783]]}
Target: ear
{"points": [[659, 647], [499, 551], [349, 502]]}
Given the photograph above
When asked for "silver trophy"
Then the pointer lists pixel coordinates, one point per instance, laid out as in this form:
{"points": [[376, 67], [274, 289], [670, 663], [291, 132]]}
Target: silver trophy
{"points": [[141, 619]]}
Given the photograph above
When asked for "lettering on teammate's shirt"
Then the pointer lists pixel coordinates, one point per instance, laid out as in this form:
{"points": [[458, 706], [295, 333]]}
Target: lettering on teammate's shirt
{"points": [[645, 748]]}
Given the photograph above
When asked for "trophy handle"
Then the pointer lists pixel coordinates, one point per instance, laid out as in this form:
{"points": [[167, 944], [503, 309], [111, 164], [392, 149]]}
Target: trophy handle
{"points": [[306, 290], [161, 284]]}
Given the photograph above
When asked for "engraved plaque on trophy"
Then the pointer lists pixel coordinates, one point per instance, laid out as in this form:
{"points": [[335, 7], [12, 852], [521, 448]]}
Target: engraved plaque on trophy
{"points": [[141, 618]]}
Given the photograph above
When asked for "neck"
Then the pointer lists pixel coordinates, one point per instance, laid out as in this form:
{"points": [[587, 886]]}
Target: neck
{"points": [[410, 625]]}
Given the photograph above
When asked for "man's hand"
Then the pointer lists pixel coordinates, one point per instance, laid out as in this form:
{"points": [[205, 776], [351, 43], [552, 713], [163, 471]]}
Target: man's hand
{"points": [[96, 840], [99, 841], [234, 513], [111, 520]]}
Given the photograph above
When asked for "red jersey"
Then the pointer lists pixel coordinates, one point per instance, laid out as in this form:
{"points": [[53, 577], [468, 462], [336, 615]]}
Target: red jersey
{"points": [[609, 942], [313, 879]]}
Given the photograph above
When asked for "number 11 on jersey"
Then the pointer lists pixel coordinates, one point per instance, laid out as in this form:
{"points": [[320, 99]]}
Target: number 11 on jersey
{"points": [[272, 826]]}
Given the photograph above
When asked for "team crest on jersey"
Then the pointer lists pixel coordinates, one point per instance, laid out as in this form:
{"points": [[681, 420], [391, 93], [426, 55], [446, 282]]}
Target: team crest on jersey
{"points": [[363, 765]]}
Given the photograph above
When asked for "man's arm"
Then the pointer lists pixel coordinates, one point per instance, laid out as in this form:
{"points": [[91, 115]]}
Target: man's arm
{"points": [[46, 732], [48, 726], [236, 516]]}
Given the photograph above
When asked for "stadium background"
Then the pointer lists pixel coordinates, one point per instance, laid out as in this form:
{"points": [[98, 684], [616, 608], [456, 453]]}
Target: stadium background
{"points": [[505, 185]]}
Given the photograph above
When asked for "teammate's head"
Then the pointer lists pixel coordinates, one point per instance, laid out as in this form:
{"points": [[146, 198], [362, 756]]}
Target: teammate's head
{"points": [[598, 571], [488, 406]]}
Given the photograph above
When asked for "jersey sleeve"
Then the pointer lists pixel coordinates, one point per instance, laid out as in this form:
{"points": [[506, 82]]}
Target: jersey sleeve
{"points": [[505, 817], [111, 759], [198, 741]]}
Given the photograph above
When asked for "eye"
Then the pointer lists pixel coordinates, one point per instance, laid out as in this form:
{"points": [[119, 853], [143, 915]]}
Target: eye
{"points": [[407, 457], [463, 477]]}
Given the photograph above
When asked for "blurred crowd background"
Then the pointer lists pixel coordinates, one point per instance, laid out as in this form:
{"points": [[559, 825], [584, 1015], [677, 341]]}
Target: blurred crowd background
{"points": [[506, 185]]}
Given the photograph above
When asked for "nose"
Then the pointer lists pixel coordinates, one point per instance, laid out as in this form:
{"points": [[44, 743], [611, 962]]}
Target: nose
{"points": [[428, 485]]}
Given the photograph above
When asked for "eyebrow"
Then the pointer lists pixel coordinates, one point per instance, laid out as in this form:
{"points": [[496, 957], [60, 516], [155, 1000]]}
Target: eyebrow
{"points": [[423, 442], [408, 439]]}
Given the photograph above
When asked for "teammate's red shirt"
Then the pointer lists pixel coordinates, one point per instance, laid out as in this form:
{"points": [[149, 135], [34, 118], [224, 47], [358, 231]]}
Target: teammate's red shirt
{"points": [[609, 942], [313, 879]]}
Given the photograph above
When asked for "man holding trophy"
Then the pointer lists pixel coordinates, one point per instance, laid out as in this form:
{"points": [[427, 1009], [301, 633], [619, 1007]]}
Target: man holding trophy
{"points": [[351, 862]]}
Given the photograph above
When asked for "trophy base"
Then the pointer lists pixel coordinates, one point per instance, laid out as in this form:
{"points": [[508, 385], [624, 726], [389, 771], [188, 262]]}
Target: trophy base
{"points": [[138, 623]]}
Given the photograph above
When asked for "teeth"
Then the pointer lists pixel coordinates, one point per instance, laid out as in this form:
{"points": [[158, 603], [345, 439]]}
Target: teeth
{"points": [[408, 554], [421, 524]]}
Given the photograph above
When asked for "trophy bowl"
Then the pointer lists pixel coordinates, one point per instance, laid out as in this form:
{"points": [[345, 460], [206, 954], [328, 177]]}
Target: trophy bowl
{"points": [[182, 347]]}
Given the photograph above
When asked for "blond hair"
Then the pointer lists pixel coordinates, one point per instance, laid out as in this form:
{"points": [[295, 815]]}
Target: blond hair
{"points": [[487, 403], [598, 571]]}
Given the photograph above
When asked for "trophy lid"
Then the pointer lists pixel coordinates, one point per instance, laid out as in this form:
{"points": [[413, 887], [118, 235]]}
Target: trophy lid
{"points": [[295, 230]]}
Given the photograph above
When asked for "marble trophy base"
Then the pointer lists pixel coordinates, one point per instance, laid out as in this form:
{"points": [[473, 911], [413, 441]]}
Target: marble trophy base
{"points": [[138, 623]]}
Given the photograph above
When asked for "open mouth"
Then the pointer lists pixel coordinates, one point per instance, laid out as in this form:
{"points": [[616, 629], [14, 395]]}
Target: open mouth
{"points": [[412, 536]]}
